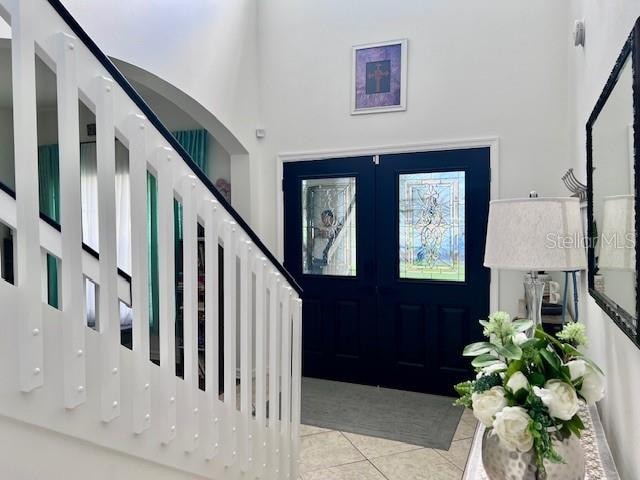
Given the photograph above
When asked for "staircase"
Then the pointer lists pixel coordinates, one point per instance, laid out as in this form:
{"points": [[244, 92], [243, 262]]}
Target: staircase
{"points": [[74, 384]]}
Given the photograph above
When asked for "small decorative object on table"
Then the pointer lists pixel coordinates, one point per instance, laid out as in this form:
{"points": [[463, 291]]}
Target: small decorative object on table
{"points": [[527, 392]]}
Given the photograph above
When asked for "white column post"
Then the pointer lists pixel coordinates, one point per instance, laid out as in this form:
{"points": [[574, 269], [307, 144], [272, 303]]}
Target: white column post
{"points": [[211, 326], [27, 245], [166, 294], [285, 420], [190, 311], [246, 345], [259, 453], [108, 307], [71, 221], [139, 272], [230, 292], [296, 386], [274, 374]]}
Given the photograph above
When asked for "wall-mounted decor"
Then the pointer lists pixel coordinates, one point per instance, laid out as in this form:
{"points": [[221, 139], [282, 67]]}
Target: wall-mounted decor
{"points": [[379, 77], [613, 159]]}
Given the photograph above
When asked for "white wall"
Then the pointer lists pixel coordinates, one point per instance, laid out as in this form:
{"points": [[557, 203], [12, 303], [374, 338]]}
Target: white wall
{"points": [[475, 69], [174, 118], [32, 453], [607, 26], [205, 48]]}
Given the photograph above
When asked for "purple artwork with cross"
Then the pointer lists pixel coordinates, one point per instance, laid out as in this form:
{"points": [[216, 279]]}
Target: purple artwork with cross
{"points": [[378, 73]]}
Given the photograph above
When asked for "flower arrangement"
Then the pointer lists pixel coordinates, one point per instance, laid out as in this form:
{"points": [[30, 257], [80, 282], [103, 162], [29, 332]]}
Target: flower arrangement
{"points": [[528, 388]]}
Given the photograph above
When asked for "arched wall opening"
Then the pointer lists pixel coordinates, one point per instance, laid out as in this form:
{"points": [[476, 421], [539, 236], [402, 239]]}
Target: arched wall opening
{"points": [[228, 158]]}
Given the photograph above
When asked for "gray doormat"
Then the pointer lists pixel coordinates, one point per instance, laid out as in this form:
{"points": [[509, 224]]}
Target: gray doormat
{"points": [[414, 418]]}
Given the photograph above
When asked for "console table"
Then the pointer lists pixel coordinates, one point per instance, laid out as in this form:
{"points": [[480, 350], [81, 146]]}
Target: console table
{"points": [[599, 462]]}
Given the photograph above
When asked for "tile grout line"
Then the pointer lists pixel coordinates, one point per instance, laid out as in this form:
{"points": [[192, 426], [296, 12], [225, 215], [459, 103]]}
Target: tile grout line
{"points": [[320, 469], [317, 433], [367, 459], [339, 464], [450, 461]]}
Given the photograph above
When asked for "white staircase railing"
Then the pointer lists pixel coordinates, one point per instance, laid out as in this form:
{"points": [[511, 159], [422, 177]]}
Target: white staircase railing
{"points": [[60, 375]]}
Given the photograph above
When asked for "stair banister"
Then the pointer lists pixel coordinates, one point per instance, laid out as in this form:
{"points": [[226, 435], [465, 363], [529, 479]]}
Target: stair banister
{"points": [[82, 383]]}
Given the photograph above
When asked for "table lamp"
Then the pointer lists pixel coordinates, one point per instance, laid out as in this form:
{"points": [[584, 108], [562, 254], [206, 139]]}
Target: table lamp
{"points": [[532, 235]]}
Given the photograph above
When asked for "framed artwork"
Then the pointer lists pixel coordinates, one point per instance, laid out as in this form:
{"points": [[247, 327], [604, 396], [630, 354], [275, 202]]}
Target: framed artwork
{"points": [[379, 79]]}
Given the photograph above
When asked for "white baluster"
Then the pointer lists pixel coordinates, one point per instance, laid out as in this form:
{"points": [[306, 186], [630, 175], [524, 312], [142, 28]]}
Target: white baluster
{"points": [[246, 345], [259, 453], [190, 310], [285, 420], [108, 308], [211, 326], [274, 373], [296, 385], [166, 294], [27, 243], [139, 273], [230, 291], [71, 221]]}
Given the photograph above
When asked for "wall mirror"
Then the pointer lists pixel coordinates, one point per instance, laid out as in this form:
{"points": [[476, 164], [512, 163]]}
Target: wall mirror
{"points": [[613, 150]]}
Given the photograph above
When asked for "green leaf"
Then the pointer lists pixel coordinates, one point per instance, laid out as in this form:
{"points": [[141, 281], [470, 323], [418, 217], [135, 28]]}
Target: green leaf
{"points": [[532, 342], [510, 351], [484, 360], [514, 367], [571, 350], [565, 373], [537, 379], [578, 421], [522, 325], [477, 348], [551, 358], [575, 425]]}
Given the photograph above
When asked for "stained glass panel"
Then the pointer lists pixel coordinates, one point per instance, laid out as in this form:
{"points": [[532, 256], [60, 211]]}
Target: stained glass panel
{"points": [[329, 226], [432, 231]]}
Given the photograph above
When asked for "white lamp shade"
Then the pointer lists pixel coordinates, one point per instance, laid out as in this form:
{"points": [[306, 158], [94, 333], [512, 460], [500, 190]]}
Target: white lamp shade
{"points": [[617, 238], [535, 234]]}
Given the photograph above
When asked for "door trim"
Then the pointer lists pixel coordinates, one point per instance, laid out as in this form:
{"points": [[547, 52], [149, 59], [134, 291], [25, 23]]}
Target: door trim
{"points": [[493, 143]]}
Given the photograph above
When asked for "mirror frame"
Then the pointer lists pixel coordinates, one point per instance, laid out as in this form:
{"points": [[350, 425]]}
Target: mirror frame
{"points": [[631, 49]]}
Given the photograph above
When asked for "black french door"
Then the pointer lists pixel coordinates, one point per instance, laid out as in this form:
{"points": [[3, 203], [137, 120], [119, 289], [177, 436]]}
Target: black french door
{"points": [[389, 255]]}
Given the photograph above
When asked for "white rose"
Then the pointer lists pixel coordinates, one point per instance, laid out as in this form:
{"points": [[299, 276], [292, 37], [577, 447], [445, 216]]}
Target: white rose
{"points": [[592, 389], [487, 404], [519, 338], [576, 369], [560, 398], [512, 426], [517, 382]]}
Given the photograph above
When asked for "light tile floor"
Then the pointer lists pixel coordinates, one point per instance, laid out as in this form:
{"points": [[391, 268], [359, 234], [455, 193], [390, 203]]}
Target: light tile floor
{"points": [[333, 455]]}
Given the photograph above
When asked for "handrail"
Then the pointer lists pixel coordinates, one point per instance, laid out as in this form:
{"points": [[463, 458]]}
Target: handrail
{"points": [[162, 129]]}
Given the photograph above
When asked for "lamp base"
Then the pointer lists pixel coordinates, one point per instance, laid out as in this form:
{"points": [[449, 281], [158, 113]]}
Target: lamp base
{"points": [[533, 290]]}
